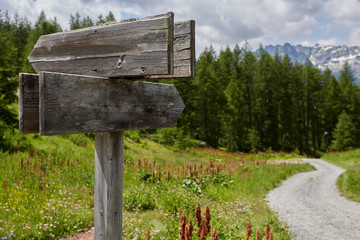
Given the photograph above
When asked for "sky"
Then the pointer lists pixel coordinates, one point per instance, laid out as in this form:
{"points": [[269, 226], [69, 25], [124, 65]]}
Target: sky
{"points": [[222, 23]]}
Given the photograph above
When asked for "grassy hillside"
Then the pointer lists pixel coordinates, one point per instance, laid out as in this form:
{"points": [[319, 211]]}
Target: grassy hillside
{"points": [[349, 181], [47, 188]]}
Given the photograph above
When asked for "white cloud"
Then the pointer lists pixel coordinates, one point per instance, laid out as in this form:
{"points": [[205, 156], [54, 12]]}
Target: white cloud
{"points": [[354, 36], [344, 13], [299, 28], [218, 22], [307, 43], [325, 42], [330, 41]]}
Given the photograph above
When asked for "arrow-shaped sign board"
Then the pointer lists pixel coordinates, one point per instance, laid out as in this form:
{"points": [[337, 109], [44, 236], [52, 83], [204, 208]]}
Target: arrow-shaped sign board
{"points": [[46, 56], [71, 103], [129, 48]]}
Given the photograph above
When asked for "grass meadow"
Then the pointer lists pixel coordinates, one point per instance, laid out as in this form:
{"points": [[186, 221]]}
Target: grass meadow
{"points": [[47, 186], [348, 182]]}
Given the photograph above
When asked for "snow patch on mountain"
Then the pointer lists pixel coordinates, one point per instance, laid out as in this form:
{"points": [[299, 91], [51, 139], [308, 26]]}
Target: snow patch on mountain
{"points": [[329, 56]]}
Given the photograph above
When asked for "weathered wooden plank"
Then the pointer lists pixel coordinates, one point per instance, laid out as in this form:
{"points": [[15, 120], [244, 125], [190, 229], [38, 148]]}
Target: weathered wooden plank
{"points": [[80, 104], [28, 103], [108, 188], [184, 51], [133, 48]]}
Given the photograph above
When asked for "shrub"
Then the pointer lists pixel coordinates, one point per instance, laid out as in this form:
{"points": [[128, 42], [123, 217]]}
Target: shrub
{"points": [[167, 136], [176, 200], [223, 180], [127, 158], [139, 198], [133, 135], [185, 142], [174, 137], [144, 175], [193, 185]]}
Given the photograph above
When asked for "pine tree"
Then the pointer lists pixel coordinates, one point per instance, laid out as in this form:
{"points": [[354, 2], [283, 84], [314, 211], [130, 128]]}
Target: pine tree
{"points": [[348, 89], [249, 68], [344, 135], [8, 73], [327, 75], [272, 107], [8, 50], [332, 106], [75, 22], [87, 22], [234, 121], [286, 105], [225, 67], [346, 76], [209, 102], [43, 26], [110, 17], [298, 94], [266, 114], [350, 95], [21, 29], [188, 91], [100, 20]]}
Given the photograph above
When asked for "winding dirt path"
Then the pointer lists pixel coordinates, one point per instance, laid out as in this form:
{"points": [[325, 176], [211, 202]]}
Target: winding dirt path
{"points": [[311, 206]]}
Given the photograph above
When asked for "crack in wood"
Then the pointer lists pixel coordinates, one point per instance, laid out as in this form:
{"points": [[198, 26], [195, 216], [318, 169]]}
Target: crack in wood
{"points": [[120, 61]]}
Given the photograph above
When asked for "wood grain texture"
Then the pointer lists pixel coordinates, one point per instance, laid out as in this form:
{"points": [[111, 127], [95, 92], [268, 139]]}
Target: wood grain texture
{"points": [[81, 104], [184, 51], [135, 48], [108, 189], [28, 103]]}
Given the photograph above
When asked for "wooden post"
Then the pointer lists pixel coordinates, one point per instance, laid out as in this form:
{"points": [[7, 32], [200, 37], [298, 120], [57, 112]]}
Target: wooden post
{"points": [[108, 185], [99, 100]]}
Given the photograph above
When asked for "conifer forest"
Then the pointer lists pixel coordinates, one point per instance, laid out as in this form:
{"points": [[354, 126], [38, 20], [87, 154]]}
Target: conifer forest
{"points": [[241, 99]]}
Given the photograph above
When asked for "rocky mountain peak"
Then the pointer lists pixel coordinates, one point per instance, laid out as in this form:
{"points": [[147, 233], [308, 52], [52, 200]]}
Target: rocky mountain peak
{"points": [[322, 56]]}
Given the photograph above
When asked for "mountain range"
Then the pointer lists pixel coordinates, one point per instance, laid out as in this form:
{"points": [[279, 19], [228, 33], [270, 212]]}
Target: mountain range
{"points": [[322, 56]]}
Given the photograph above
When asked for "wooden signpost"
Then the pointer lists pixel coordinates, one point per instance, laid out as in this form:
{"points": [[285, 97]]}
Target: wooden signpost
{"points": [[80, 88]]}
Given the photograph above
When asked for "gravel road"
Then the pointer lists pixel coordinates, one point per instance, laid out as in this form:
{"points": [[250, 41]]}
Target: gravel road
{"points": [[310, 204]]}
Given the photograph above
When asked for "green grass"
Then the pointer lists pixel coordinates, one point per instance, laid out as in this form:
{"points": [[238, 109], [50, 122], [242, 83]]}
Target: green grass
{"points": [[47, 188], [348, 182]]}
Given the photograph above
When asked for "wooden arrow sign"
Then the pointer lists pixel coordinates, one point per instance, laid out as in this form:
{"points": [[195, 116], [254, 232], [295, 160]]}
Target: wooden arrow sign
{"points": [[133, 48], [184, 51], [81, 104]]}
